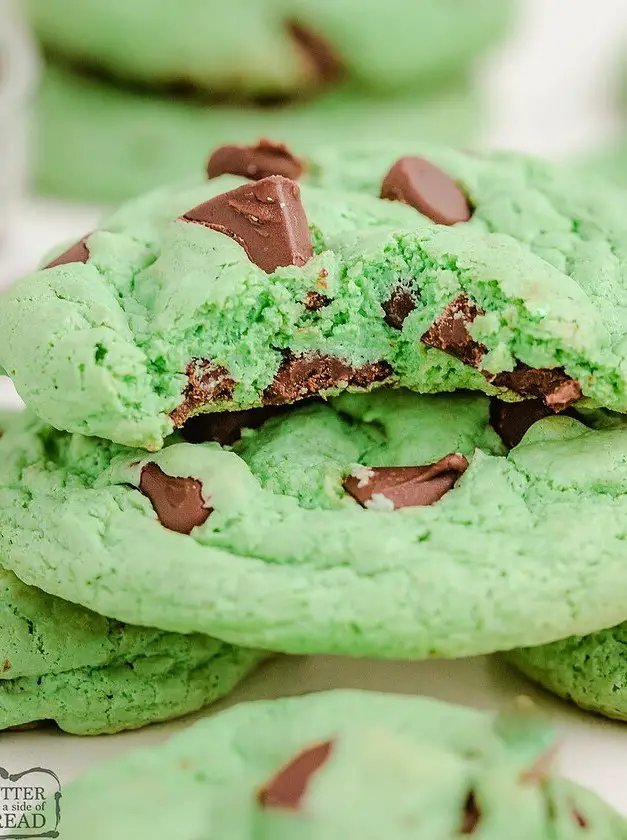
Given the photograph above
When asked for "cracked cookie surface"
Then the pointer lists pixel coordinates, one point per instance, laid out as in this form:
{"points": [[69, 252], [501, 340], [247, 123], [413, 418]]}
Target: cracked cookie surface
{"points": [[165, 307], [387, 524], [313, 767]]}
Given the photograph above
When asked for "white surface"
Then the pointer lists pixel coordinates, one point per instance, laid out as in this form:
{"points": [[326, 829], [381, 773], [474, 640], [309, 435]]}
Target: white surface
{"points": [[551, 93], [18, 76]]}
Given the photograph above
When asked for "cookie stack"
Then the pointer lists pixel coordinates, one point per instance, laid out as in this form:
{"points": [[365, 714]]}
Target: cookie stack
{"points": [[368, 402], [136, 91]]}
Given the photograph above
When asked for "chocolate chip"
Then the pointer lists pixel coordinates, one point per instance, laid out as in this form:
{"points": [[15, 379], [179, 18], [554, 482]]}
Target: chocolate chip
{"points": [[315, 301], [449, 332], [541, 767], [305, 376], [400, 304], [6, 666], [225, 427], [266, 218], [415, 181], [472, 815], [406, 486], [178, 502], [77, 253], [552, 385], [287, 789], [512, 421], [206, 382], [581, 821], [321, 58], [256, 162]]}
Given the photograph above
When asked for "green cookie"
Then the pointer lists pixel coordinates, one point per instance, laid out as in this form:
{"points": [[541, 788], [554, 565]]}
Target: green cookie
{"points": [[179, 78], [590, 671], [92, 674], [308, 538], [343, 764], [154, 318], [611, 164], [125, 142], [270, 48]]}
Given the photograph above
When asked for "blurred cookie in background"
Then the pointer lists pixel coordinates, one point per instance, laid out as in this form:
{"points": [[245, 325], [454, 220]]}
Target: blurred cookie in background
{"points": [[611, 163], [136, 91]]}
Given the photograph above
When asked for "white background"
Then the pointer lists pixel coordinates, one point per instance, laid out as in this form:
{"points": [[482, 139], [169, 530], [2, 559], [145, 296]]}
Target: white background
{"points": [[551, 93]]}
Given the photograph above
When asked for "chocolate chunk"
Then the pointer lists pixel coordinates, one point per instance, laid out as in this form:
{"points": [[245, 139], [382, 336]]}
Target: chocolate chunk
{"points": [[400, 304], [581, 821], [255, 162], [512, 421], [207, 382], [225, 427], [77, 253], [415, 181], [541, 768], [472, 815], [266, 218], [305, 376], [6, 666], [287, 789], [321, 58], [315, 301], [178, 502], [449, 332], [406, 486], [552, 385]]}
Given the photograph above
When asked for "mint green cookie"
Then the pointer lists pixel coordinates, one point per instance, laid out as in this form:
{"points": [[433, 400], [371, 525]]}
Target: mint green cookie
{"points": [[611, 164], [172, 80], [270, 48], [342, 764], [168, 318], [126, 142], [299, 540], [92, 675], [591, 671]]}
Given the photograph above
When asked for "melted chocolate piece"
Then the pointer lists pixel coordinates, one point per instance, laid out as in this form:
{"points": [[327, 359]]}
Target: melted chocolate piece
{"points": [[552, 385], [287, 789], [319, 55], [425, 187], [449, 332], [472, 815], [512, 421], [77, 253], [541, 767], [400, 304], [266, 218], [27, 727], [207, 382], [407, 486], [304, 376], [178, 502], [256, 162], [225, 427], [315, 301], [581, 821]]}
